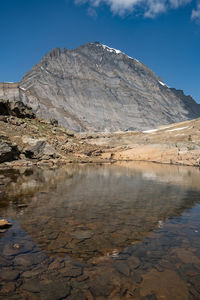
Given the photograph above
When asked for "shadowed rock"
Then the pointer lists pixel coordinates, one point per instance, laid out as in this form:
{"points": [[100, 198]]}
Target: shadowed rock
{"points": [[8, 151], [17, 109]]}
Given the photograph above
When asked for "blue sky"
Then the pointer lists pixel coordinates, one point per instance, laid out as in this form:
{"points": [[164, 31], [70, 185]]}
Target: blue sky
{"points": [[163, 34]]}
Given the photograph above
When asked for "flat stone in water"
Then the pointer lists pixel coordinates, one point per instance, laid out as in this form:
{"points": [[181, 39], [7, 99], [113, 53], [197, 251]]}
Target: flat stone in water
{"points": [[168, 286], [186, 256], [32, 285], [194, 280], [13, 249], [79, 295], [134, 262], [48, 291], [100, 287], [150, 297], [82, 235], [56, 245], [71, 271], [25, 260], [123, 268], [9, 275], [9, 287], [4, 262], [9, 250], [57, 264], [136, 277], [56, 290], [32, 273]]}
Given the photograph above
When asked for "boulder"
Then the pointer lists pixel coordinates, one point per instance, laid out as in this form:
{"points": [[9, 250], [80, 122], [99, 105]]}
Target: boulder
{"points": [[17, 109], [8, 151], [40, 150]]}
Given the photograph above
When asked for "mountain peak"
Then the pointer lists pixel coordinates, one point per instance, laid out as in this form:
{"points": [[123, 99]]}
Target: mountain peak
{"points": [[109, 49], [98, 88]]}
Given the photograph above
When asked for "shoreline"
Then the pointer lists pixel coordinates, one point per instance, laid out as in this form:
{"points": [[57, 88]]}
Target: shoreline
{"points": [[27, 141]]}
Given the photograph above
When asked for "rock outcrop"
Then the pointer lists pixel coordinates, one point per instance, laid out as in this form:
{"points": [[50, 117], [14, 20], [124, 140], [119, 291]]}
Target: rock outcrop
{"points": [[97, 88]]}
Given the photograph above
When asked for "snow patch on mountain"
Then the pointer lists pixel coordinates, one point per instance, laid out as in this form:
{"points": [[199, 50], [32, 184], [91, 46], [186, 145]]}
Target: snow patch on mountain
{"points": [[162, 83], [113, 50]]}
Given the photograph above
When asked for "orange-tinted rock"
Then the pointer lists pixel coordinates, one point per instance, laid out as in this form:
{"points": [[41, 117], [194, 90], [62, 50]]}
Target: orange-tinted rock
{"points": [[4, 224]]}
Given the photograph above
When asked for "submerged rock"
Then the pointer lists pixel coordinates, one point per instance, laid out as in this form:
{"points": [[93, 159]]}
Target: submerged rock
{"points": [[48, 290], [9, 275]]}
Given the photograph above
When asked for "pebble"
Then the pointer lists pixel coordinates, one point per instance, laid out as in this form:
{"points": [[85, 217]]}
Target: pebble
{"points": [[16, 246]]}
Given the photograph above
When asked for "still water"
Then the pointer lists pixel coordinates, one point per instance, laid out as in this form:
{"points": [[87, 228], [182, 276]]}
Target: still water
{"points": [[123, 231]]}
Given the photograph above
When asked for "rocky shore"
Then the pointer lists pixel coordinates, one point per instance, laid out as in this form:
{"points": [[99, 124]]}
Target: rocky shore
{"points": [[26, 141]]}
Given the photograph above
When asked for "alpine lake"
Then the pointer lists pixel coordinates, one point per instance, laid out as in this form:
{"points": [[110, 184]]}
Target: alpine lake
{"points": [[115, 231]]}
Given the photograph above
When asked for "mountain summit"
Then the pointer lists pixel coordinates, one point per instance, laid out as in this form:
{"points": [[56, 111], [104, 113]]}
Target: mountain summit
{"points": [[98, 88]]}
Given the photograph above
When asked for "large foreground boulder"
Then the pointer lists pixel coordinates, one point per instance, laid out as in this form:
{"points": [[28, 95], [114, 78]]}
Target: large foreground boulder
{"points": [[39, 149]]}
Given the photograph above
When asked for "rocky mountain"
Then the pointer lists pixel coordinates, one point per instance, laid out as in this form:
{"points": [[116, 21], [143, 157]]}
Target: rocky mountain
{"points": [[97, 88]]}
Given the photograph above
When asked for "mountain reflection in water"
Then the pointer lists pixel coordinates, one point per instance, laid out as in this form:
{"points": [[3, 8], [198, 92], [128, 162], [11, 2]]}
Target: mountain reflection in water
{"points": [[108, 218]]}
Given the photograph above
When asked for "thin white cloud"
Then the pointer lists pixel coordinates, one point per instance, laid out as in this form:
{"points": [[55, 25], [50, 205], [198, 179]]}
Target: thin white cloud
{"points": [[149, 8], [196, 12], [92, 12], [154, 8], [178, 3]]}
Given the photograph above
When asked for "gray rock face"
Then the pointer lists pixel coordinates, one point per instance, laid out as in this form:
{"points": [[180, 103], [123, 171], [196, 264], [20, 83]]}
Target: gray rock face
{"points": [[96, 88]]}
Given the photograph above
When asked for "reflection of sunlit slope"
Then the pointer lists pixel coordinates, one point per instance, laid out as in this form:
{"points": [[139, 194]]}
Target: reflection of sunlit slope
{"points": [[177, 175], [19, 184], [104, 208]]}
